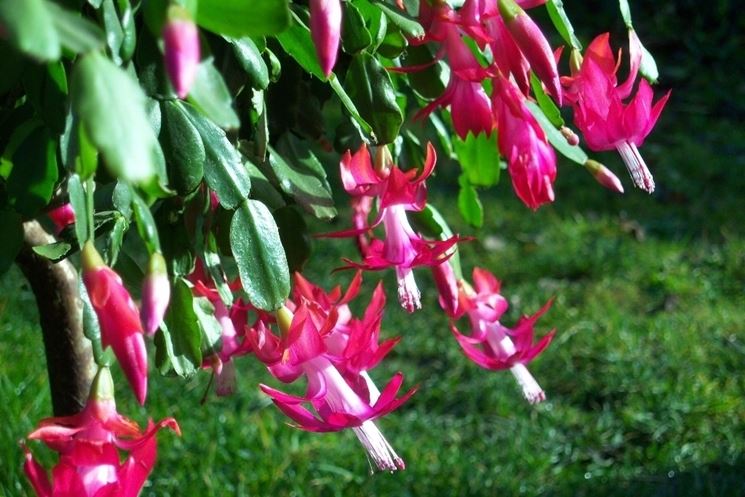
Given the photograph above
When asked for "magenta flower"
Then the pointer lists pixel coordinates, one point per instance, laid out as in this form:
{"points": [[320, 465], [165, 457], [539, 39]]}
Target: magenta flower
{"points": [[599, 112], [397, 192], [492, 345], [88, 444], [156, 293], [118, 318], [325, 28], [62, 217], [181, 48], [337, 402], [531, 160]]}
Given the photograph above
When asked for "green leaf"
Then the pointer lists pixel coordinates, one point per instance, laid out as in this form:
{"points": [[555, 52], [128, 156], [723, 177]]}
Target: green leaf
{"points": [[479, 158], [370, 88], [185, 334], [406, 24], [183, 148], [34, 174], [547, 105], [91, 327], [393, 45], [296, 41], [625, 13], [211, 96], [53, 251], [355, 36], [571, 152], [258, 252], [648, 67], [376, 21], [145, 224], [169, 355], [111, 108], [46, 89], [561, 22], [76, 34], [262, 189], [12, 228], [249, 56], [301, 176], [223, 169], [243, 18], [114, 31], [175, 241], [29, 25], [209, 325], [115, 239], [469, 204], [77, 201], [349, 105]]}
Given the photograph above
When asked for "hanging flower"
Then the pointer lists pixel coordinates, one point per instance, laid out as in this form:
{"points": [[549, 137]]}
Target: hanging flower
{"points": [[89, 445], [599, 112]]}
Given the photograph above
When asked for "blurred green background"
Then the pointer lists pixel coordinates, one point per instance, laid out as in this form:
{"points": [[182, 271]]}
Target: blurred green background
{"points": [[646, 394]]}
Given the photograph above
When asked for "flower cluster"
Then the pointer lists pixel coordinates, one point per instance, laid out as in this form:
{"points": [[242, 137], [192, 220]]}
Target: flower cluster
{"points": [[496, 42]]}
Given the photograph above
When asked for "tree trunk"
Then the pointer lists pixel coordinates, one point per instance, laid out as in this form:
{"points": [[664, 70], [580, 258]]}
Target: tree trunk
{"points": [[55, 286]]}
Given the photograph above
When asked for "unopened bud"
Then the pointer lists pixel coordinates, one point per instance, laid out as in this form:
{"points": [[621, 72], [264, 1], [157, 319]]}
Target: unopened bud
{"points": [[604, 176], [533, 45], [570, 136], [383, 160], [156, 294], [62, 216], [182, 53], [325, 28]]}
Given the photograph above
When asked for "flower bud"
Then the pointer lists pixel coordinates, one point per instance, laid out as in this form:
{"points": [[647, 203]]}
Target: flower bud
{"points": [[181, 41], [533, 45], [604, 176], [62, 216], [118, 318], [325, 28], [570, 136], [156, 293]]}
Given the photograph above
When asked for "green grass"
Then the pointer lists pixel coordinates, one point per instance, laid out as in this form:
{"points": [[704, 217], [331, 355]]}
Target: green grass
{"points": [[646, 394]]}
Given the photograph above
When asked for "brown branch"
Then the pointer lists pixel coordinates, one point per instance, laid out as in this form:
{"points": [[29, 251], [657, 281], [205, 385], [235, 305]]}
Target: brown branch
{"points": [[55, 286]]}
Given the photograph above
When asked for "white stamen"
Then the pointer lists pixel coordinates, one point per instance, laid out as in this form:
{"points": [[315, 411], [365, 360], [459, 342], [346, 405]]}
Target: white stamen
{"points": [[503, 344], [381, 452], [637, 167], [531, 389], [408, 292]]}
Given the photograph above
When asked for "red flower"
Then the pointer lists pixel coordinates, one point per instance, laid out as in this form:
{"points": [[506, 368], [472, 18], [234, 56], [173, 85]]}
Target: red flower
{"points": [[88, 444]]}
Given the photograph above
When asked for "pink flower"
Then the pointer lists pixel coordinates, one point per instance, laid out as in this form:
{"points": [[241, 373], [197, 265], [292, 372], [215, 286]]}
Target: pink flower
{"points": [[531, 160], [494, 346], [156, 293], [118, 318], [599, 112], [88, 444], [397, 192], [62, 217], [181, 47], [339, 398], [325, 28]]}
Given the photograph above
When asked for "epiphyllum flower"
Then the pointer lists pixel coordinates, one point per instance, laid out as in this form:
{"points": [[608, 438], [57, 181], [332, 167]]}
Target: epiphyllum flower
{"points": [[325, 28], [531, 160], [338, 403], [492, 345], [118, 317], [88, 444], [599, 112], [397, 192]]}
